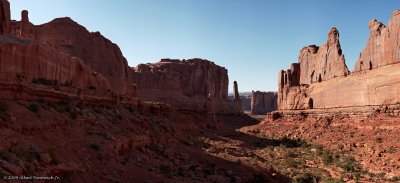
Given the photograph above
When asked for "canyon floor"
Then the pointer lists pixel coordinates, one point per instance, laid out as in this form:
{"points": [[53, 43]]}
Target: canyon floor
{"points": [[82, 142]]}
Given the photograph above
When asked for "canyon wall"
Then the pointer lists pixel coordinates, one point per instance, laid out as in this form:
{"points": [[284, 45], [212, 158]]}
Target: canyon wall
{"points": [[189, 83], [321, 80], [383, 46], [62, 52], [263, 102], [5, 17]]}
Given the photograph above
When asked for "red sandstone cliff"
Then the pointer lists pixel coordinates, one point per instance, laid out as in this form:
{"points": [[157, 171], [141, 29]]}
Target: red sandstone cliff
{"points": [[66, 53], [316, 64], [383, 47], [317, 82], [263, 102], [95, 50], [185, 83], [322, 63]]}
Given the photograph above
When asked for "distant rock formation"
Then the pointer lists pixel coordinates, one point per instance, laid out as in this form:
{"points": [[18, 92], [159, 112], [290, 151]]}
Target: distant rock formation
{"points": [[66, 53], [25, 24], [263, 102], [245, 97], [185, 83], [236, 96], [321, 79]]}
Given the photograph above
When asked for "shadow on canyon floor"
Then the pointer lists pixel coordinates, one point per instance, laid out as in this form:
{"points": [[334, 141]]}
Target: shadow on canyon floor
{"points": [[85, 143]]}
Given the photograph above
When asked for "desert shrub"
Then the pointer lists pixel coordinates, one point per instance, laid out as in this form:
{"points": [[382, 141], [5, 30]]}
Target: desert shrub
{"points": [[5, 154], [165, 169], [357, 176], [73, 114], [381, 174], [379, 139], [128, 108], [394, 179], [19, 76], [289, 154], [34, 107], [305, 178], [340, 146], [293, 142], [290, 162], [327, 157], [97, 109], [95, 146], [42, 81], [334, 181], [28, 156], [3, 106], [348, 164]]}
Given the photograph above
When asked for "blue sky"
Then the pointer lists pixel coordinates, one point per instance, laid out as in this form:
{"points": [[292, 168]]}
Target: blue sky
{"points": [[253, 39]]}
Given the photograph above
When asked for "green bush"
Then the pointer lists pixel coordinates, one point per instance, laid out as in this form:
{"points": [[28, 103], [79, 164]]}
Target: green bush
{"points": [[290, 162], [327, 157], [348, 164], [305, 178]]}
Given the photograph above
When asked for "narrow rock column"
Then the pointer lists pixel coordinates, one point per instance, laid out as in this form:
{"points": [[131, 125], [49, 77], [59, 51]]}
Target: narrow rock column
{"points": [[24, 30], [236, 97], [236, 91]]}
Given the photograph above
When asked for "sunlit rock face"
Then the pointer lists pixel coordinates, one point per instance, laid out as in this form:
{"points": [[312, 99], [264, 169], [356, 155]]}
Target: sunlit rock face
{"points": [[383, 47], [320, 79]]}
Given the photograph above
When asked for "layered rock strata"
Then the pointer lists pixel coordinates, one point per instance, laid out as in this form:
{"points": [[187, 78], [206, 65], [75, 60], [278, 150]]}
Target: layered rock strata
{"points": [[5, 17], [321, 80], [62, 52], [383, 46]]}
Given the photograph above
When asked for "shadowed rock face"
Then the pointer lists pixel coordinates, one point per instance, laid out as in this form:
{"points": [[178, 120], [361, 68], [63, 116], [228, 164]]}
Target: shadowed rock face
{"points": [[66, 52], [263, 102], [34, 60], [5, 17], [96, 51], [323, 76], [186, 78], [383, 46]]}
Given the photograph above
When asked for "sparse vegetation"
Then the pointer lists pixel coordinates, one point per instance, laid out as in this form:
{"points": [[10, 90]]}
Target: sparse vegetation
{"points": [[379, 140], [95, 146], [347, 163], [97, 109], [290, 162], [34, 107], [46, 82], [305, 178], [327, 157], [3, 107]]}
